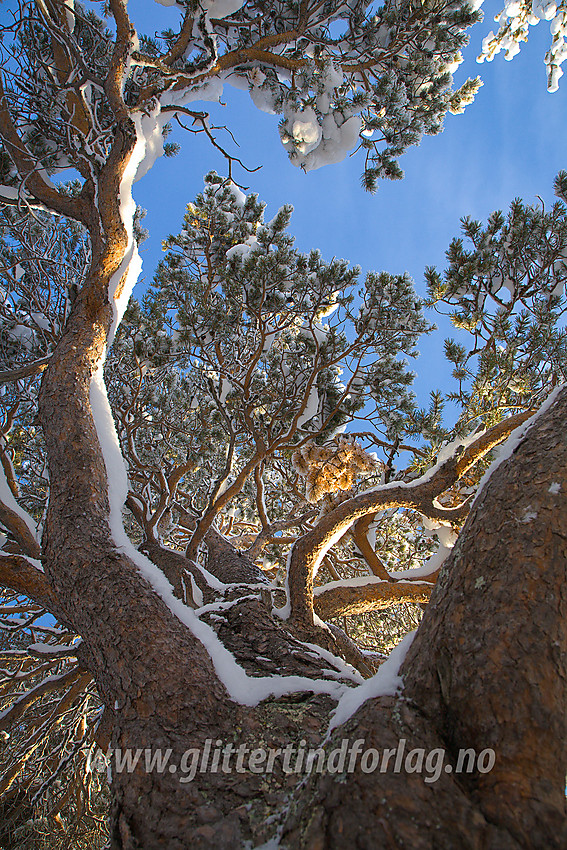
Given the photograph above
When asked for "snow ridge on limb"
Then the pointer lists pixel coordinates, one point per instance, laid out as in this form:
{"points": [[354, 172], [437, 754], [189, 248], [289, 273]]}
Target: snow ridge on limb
{"points": [[241, 688], [24, 576], [507, 449], [386, 682], [356, 596]]}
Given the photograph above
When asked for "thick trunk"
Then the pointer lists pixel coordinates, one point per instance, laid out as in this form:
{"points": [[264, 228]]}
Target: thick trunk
{"points": [[494, 673], [485, 671]]}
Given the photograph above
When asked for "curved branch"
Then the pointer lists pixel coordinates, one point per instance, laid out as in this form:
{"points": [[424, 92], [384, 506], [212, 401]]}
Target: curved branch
{"points": [[176, 568], [359, 535], [20, 529], [123, 49], [178, 49], [419, 494], [27, 166], [50, 684], [54, 719]]}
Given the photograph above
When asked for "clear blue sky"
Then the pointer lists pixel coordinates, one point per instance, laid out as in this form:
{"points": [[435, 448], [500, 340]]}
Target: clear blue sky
{"points": [[509, 143]]}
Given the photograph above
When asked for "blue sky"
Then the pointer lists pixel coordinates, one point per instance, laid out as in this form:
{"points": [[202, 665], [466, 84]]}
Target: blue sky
{"points": [[509, 143]]}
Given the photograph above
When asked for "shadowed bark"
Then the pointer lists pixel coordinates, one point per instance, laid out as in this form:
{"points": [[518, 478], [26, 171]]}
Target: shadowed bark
{"points": [[229, 565], [494, 671]]}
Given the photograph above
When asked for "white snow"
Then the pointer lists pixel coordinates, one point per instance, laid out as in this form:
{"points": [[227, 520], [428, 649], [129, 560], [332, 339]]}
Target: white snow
{"points": [[365, 581], [221, 8], [237, 194], [306, 132], [357, 581], [429, 566], [311, 408], [215, 8], [70, 14], [51, 649], [26, 694], [386, 682], [211, 91], [341, 665], [528, 515], [41, 321], [554, 488], [7, 498], [24, 335], [196, 592], [243, 249], [145, 152], [263, 99], [247, 690], [213, 582], [18, 194]]}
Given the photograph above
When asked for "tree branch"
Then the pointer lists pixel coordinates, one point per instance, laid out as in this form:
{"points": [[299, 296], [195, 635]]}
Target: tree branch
{"points": [[26, 371], [50, 684], [419, 494], [27, 166], [19, 528], [359, 535], [19, 575], [342, 599]]}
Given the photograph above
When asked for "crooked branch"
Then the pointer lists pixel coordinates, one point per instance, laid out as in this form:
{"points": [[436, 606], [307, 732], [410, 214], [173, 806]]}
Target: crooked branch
{"points": [[420, 495]]}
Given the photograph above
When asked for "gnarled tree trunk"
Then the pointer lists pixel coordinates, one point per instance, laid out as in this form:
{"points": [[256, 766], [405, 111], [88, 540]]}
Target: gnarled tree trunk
{"points": [[486, 670]]}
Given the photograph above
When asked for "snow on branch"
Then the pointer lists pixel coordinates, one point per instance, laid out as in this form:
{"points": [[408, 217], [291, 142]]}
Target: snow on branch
{"points": [[16, 520], [360, 595], [21, 575]]}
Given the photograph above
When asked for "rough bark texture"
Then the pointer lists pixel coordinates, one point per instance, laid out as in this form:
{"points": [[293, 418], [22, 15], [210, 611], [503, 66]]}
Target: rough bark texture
{"points": [[495, 671], [487, 668], [390, 810]]}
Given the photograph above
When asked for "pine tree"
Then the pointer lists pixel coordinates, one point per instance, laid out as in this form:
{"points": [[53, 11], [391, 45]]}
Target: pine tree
{"points": [[184, 635], [215, 322]]}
